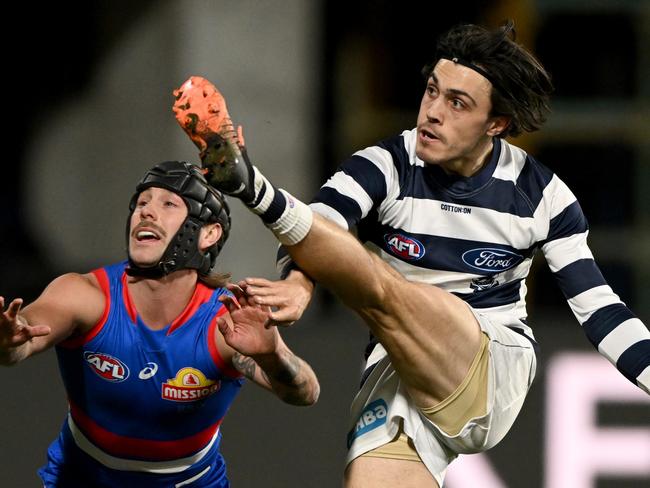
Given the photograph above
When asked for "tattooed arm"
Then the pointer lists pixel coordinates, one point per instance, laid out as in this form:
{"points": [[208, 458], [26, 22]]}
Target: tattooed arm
{"points": [[260, 354], [288, 376]]}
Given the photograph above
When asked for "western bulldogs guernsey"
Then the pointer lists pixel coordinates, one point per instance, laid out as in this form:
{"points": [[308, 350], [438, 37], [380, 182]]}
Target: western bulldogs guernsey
{"points": [[145, 405], [476, 237]]}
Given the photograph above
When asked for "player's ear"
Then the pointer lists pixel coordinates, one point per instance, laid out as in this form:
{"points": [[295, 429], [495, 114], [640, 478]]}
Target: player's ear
{"points": [[210, 235], [497, 124]]}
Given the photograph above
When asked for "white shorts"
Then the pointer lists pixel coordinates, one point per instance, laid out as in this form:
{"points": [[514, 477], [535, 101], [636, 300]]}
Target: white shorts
{"points": [[383, 402]]}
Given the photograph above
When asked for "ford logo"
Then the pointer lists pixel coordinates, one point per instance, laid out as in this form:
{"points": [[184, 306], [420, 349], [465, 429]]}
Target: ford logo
{"points": [[487, 259]]}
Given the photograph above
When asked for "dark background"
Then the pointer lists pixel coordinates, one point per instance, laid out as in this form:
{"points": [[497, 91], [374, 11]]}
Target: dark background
{"points": [[368, 59]]}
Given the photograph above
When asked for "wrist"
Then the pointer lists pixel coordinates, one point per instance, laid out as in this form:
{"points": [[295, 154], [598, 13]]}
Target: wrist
{"points": [[269, 362], [12, 355]]}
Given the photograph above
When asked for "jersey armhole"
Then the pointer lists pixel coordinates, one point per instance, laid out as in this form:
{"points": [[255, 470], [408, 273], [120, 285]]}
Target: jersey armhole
{"points": [[225, 368], [78, 341]]}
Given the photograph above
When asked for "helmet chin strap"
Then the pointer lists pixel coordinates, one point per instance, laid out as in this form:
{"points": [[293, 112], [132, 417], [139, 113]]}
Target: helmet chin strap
{"points": [[154, 272]]}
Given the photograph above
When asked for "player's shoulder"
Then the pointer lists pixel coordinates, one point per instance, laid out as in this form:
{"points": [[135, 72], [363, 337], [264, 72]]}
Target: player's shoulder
{"points": [[522, 168], [392, 155], [79, 284], [401, 147]]}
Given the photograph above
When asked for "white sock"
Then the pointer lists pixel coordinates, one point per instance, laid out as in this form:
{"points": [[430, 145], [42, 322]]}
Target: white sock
{"points": [[287, 217]]}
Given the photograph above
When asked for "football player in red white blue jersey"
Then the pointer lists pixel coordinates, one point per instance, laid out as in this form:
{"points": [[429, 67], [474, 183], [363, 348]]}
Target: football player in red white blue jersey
{"points": [[451, 216], [152, 351]]}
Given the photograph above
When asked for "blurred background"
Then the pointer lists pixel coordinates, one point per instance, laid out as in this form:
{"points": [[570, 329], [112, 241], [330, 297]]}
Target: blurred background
{"points": [[88, 91]]}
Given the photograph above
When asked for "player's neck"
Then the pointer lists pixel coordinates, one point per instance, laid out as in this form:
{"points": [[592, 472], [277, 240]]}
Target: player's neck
{"points": [[473, 162], [159, 302]]}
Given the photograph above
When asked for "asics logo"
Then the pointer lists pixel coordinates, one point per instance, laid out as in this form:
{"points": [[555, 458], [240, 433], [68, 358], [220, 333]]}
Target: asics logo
{"points": [[148, 371], [487, 259]]}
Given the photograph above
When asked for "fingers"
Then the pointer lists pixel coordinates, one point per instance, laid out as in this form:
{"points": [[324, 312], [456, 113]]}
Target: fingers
{"points": [[284, 317], [9, 315], [230, 302], [14, 308], [224, 327], [265, 292], [269, 301], [258, 282], [263, 287], [240, 292], [39, 330]]}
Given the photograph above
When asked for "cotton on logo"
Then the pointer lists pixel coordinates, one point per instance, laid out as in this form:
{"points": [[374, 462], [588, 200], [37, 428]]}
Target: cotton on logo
{"points": [[107, 367], [404, 247]]}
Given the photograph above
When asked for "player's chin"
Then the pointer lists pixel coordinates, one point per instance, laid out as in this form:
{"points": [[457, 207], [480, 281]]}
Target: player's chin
{"points": [[428, 154], [144, 259]]}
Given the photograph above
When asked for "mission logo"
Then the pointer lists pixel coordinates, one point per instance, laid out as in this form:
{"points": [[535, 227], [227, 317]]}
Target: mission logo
{"points": [[405, 247], [189, 385]]}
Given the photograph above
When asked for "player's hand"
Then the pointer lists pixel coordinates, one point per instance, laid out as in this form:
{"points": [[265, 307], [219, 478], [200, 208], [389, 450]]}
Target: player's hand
{"points": [[288, 298], [14, 329], [249, 331]]}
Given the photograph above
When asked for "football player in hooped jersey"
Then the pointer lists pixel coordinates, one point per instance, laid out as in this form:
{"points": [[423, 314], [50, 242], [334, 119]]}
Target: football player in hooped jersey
{"points": [[450, 214], [152, 351]]}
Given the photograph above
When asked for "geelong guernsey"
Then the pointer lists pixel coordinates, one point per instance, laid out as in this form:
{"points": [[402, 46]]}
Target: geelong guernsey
{"points": [[476, 237], [142, 400]]}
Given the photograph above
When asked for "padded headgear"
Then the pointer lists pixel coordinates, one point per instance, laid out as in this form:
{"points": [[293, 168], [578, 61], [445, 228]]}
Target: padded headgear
{"points": [[205, 205]]}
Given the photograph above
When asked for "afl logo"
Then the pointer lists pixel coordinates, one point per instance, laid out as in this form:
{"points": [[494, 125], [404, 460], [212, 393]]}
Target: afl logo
{"points": [[494, 260], [107, 367], [404, 247]]}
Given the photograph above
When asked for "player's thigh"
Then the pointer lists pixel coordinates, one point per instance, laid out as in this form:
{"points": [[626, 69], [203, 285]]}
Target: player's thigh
{"points": [[373, 472], [431, 336]]}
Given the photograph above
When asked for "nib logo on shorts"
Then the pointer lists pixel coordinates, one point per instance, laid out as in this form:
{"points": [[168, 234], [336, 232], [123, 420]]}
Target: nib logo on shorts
{"points": [[107, 367], [189, 385], [373, 415]]}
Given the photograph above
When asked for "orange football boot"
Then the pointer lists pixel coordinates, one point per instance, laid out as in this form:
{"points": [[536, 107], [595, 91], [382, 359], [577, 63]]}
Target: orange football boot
{"points": [[201, 111]]}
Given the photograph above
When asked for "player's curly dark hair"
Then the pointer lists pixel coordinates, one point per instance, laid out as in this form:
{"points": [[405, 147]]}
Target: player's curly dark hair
{"points": [[521, 85]]}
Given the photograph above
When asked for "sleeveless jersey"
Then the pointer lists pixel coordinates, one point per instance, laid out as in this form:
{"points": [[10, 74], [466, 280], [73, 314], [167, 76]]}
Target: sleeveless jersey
{"points": [[145, 405]]}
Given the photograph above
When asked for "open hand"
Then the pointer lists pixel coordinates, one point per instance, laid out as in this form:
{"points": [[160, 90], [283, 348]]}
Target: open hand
{"points": [[14, 329], [249, 329]]}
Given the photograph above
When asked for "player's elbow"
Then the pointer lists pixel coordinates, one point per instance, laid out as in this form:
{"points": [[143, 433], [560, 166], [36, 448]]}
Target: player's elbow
{"points": [[304, 397]]}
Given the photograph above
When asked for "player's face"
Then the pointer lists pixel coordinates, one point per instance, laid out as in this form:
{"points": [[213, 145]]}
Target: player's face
{"points": [[158, 214], [454, 123]]}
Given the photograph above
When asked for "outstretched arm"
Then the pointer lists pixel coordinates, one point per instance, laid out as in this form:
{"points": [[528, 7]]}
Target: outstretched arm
{"points": [[16, 335], [608, 323], [261, 355], [70, 304]]}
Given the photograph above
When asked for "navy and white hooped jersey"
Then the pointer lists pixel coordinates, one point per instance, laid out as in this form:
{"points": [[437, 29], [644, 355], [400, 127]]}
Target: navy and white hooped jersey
{"points": [[476, 237], [145, 405]]}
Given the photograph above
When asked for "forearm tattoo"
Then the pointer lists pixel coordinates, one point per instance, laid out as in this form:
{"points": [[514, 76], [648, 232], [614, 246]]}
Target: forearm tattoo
{"points": [[289, 372], [244, 365], [290, 381], [287, 378]]}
